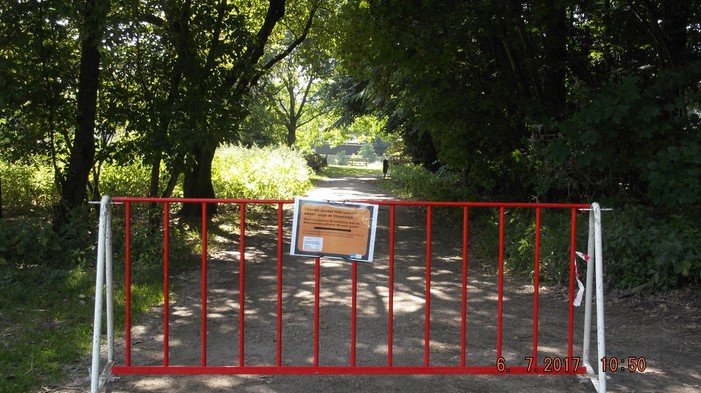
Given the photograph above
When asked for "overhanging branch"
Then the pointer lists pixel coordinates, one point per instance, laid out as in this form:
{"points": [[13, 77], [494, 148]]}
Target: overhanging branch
{"points": [[270, 63]]}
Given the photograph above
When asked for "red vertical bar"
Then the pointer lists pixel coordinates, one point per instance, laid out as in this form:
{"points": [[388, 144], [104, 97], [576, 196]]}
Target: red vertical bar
{"points": [[463, 311], [242, 281], [127, 283], [278, 356], [500, 301], [203, 316], [354, 294], [536, 285], [166, 286], [427, 316], [317, 273], [390, 316], [573, 245]]}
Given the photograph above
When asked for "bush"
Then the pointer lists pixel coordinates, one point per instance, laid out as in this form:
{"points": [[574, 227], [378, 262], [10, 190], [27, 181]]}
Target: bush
{"points": [[31, 240], [316, 161], [368, 152], [554, 243], [260, 172], [26, 187], [125, 179], [27, 241], [641, 248], [342, 158], [630, 141], [419, 183]]}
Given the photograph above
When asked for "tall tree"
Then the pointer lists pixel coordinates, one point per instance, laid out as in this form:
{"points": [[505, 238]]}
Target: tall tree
{"points": [[293, 97], [82, 156], [213, 59], [37, 80], [246, 71]]}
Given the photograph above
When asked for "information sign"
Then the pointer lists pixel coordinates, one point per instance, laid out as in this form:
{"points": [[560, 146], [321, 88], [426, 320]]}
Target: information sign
{"points": [[343, 230]]}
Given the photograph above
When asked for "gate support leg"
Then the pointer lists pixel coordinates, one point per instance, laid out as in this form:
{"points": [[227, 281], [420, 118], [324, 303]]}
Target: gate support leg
{"points": [[595, 266], [103, 278]]}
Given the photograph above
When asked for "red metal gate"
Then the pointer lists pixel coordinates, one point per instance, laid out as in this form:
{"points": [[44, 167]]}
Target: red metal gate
{"points": [[571, 364]]}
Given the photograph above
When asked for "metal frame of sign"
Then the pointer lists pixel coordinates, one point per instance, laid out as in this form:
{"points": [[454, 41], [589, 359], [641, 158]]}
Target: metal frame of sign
{"points": [[343, 230]]}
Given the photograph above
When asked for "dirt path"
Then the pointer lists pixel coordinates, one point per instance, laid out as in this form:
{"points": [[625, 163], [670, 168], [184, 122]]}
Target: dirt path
{"points": [[664, 331]]}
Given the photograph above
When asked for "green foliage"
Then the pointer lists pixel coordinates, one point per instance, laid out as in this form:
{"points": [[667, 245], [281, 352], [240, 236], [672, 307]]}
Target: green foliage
{"points": [[640, 244], [552, 101], [124, 180], [28, 241], [426, 68], [265, 172], [641, 247], [417, 182], [26, 187], [289, 104], [632, 140], [341, 158], [31, 240], [43, 333], [367, 151], [554, 243], [38, 78], [673, 174], [316, 161]]}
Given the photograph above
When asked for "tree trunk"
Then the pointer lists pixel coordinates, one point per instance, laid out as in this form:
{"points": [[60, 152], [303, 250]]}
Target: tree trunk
{"points": [[676, 18], [243, 75], [554, 56], [198, 181], [291, 136], [154, 210], [82, 156], [291, 131], [155, 175], [173, 180]]}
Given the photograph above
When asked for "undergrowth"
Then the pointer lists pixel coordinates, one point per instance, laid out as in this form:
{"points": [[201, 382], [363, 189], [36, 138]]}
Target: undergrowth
{"points": [[642, 247]]}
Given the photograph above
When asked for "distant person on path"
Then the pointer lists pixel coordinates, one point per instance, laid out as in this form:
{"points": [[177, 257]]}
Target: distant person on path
{"points": [[385, 167]]}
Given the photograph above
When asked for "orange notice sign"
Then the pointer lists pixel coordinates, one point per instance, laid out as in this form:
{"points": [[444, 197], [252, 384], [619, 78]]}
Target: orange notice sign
{"points": [[334, 229]]}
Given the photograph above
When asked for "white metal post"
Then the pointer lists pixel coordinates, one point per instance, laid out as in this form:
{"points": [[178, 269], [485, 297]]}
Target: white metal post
{"points": [[109, 288], [586, 344], [600, 326], [99, 283]]}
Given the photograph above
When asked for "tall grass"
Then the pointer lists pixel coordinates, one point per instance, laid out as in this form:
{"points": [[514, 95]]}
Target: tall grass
{"points": [[26, 187], [260, 172], [127, 180]]}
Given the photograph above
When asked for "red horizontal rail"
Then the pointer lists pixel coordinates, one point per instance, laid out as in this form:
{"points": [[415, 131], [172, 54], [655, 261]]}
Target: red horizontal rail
{"points": [[532, 205], [201, 200], [334, 370]]}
